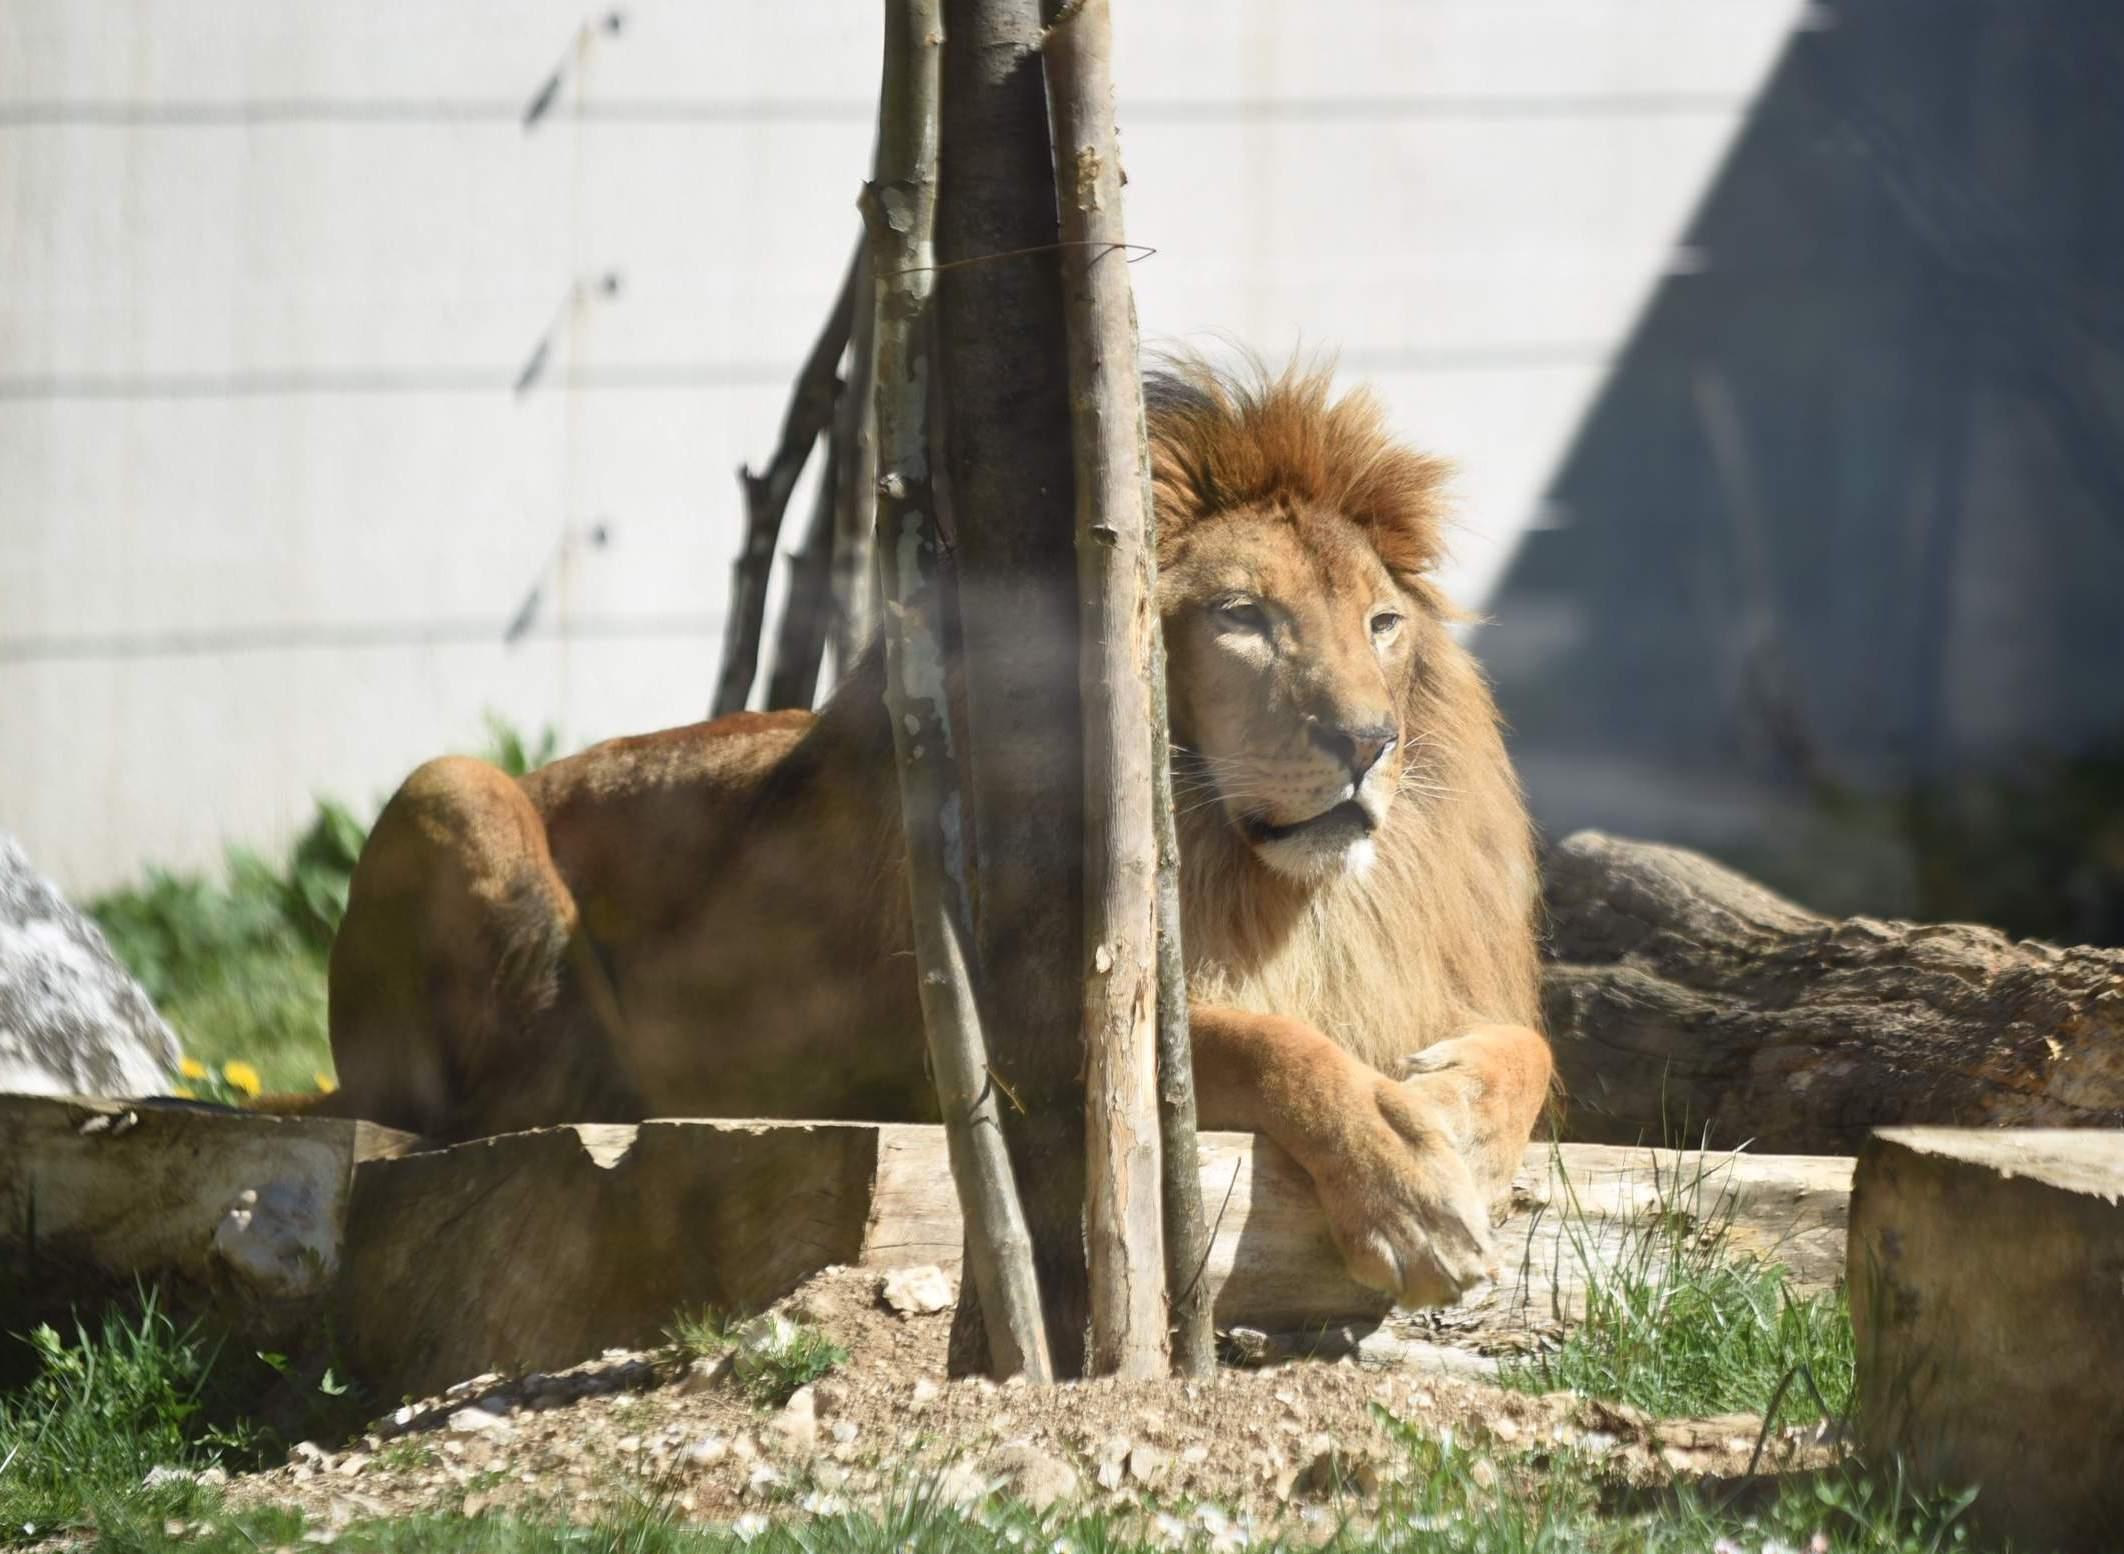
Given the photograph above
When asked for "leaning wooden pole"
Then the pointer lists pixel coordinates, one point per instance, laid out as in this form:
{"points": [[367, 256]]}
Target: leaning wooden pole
{"points": [[899, 206], [1124, 1227]]}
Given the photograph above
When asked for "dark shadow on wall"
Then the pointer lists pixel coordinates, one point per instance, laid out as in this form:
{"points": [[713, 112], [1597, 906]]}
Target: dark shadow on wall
{"points": [[1835, 589]]}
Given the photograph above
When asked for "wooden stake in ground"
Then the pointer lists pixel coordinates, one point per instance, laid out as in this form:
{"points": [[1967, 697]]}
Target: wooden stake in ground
{"points": [[810, 412], [1124, 1231], [1003, 359], [899, 207]]}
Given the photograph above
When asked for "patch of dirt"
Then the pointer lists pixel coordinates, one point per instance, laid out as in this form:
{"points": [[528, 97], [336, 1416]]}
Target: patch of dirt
{"points": [[1302, 1441]]}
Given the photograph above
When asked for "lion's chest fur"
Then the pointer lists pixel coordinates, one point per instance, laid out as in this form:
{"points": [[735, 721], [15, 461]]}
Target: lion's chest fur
{"points": [[1433, 938]]}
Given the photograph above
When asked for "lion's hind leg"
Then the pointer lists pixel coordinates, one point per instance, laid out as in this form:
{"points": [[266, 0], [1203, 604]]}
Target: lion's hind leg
{"points": [[451, 958]]}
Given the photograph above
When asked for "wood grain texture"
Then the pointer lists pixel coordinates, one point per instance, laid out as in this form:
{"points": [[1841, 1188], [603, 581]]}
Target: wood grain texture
{"points": [[234, 1210], [899, 207], [536, 1249], [1681, 997], [1116, 590]]}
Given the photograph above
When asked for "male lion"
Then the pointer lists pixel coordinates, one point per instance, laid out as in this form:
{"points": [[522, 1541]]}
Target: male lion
{"points": [[712, 921]]}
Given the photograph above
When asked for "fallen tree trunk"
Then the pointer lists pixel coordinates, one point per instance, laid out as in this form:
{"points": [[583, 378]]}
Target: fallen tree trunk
{"points": [[1684, 1000]]}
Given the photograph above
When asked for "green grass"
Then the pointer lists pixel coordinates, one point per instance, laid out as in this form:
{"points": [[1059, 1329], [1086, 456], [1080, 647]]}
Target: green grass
{"points": [[772, 1356], [1677, 1324], [1455, 1501], [102, 1409], [236, 964], [109, 1405]]}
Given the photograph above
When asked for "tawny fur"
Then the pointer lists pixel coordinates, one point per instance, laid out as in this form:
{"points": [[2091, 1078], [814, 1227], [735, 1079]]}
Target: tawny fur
{"points": [[712, 921]]}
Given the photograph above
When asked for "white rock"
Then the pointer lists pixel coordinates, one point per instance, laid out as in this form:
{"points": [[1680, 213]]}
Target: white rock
{"points": [[925, 1391], [473, 1419], [917, 1291], [709, 1448], [796, 1427]]}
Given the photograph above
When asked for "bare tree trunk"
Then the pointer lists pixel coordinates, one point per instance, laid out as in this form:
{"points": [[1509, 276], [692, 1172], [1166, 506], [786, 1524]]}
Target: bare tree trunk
{"points": [[855, 500], [1682, 999], [810, 412], [900, 207], [1124, 1233], [1003, 357]]}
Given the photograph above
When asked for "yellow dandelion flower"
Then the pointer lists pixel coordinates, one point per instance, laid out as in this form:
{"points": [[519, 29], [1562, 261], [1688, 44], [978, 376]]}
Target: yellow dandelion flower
{"points": [[326, 1084], [241, 1076], [184, 1092], [191, 1068]]}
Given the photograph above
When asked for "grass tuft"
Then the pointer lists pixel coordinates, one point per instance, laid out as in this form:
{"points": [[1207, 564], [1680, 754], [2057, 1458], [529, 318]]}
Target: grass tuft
{"points": [[771, 1356], [103, 1411], [1677, 1323]]}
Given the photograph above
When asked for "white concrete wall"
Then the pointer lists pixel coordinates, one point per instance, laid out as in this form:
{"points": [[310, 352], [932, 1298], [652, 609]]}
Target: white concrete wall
{"points": [[268, 271]]}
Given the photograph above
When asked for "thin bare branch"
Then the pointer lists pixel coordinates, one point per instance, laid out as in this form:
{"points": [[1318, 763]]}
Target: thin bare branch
{"points": [[810, 412]]}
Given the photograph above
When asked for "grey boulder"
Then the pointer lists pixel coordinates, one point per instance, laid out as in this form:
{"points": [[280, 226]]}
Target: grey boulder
{"points": [[72, 1019]]}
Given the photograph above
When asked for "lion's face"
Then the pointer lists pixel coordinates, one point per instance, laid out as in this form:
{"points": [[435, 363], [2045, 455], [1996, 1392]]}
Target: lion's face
{"points": [[1290, 645]]}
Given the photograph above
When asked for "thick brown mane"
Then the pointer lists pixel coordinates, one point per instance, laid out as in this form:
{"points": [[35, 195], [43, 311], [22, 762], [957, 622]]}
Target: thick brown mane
{"points": [[1437, 935], [1220, 441]]}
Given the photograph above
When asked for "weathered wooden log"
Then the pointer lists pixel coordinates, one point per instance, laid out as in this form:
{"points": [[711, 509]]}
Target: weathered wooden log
{"points": [[235, 1211], [1684, 1001], [537, 1249], [1984, 1274]]}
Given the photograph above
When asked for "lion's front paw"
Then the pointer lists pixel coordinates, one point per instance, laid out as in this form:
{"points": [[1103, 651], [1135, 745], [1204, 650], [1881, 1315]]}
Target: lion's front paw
{"points": [[1404, 1207]]}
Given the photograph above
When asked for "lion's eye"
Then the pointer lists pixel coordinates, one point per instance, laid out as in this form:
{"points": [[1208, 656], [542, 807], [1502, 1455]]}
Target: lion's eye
{"points": [[1244, 614], [1385, 623]]}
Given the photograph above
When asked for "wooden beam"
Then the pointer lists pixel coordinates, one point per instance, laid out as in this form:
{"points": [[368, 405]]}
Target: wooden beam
{"points": [[242, 1212], [630, 1224]]}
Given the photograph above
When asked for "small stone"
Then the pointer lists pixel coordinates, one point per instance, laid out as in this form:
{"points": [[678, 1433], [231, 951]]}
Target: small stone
{"points": [[1195, 1456], [962, 1485], [629, 1444], [1147, 1464], [796, 1427], [709, 1448], [475, 1419], [1505, 1427], [925, 1392], [708, 1374], [352, 1463], [1038, 1478], [1332, 1472], [476, 1503], [846, 1430], [917, 1291]]}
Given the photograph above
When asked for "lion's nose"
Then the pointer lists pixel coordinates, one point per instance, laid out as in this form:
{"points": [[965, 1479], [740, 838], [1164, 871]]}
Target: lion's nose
{"points": [[1359, 747]]}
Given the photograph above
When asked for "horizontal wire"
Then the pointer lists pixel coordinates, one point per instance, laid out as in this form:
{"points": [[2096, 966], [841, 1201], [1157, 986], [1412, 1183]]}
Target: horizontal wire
{"points": [[650, 376], [129, 114], [340, 636]]}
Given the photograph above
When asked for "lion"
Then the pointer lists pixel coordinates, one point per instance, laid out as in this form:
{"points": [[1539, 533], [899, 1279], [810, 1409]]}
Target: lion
{"points": [[713, 920]]}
